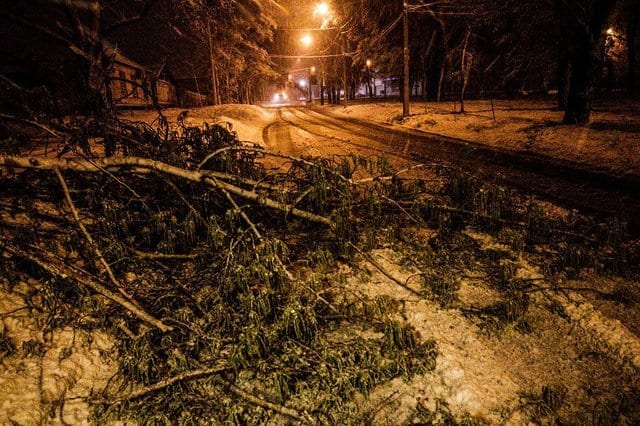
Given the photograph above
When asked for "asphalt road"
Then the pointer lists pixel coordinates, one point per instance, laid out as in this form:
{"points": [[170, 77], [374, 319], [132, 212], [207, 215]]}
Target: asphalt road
{"points": [[591, 191]]}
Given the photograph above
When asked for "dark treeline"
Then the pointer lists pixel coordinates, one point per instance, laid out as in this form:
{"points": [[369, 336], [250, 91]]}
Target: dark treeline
{"points": [[64, 44], [512, 46]]}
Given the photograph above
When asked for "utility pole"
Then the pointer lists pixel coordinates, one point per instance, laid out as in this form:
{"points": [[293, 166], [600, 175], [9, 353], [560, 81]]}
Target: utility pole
{"points": [[322, 82], [405, 56], [344, 72], [309, 92]]}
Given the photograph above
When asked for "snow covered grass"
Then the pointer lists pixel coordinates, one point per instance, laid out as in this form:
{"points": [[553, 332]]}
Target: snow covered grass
{"points": [[247, 120], [611, 141]]}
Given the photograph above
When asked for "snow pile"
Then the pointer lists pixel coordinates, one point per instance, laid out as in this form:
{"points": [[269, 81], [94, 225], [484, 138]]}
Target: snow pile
{"points": [[247, 120]]}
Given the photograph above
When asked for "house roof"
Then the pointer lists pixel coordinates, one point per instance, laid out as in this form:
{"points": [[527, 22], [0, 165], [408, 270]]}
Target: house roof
{"points": [[113, 51]]}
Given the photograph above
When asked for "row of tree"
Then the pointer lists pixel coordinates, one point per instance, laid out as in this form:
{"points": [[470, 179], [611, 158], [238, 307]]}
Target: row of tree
{"points": [[508, 46]]}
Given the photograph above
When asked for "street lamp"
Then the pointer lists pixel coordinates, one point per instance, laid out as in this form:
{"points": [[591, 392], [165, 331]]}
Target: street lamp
{"points": [[322, 9], [368, 64], [306, 40]]}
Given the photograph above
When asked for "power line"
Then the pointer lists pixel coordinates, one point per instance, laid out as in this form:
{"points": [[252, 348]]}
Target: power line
{"points": [[338, 55], [306, 29]]}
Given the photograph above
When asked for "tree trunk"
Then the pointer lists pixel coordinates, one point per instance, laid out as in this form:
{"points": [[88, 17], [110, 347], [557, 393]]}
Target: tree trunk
{"points": [[586, 33], [441, 80], [564, 76], [465, 69], [581, 86], [425, 65], [632, 33], [215, 97]]}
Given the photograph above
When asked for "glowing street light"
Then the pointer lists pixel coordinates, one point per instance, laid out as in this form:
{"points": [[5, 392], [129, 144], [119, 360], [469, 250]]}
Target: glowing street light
{"points": [[302, 83], [306, 40], [313, 70], [322, 9], [369, 63], [610, 31]]}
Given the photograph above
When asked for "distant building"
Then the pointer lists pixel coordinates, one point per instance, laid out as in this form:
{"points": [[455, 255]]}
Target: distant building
{"points": [[165, 85], [130, 83], [134, 85]]}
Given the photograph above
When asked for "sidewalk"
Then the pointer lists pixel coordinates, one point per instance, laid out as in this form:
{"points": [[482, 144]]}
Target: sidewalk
{"points": [[610, 142]]}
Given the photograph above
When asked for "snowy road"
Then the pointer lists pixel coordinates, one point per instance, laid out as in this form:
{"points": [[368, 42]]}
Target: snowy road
{"points": [[303, 131]]}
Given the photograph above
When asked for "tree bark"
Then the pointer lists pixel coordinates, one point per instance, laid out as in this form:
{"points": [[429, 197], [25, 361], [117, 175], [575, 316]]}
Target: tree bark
{"points": [[581, 86], [632, 43], [585, 32], [564, 77], [406, 81], [214, 78], [465, 68]]}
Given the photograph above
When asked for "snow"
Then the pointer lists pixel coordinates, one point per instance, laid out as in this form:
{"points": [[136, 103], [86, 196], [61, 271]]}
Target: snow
{"points": [[489, 376], [247, 120], [610, 142], [73, 363]]}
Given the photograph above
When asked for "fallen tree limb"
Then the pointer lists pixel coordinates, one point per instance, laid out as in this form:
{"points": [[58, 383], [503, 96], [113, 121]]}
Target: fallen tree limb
{"points": [[90, 239], [59, 269], [112, 163], [220, 367], [384, 272], [40, 126], [280, 409], [271, 154], [161, 256], [255, 231]]}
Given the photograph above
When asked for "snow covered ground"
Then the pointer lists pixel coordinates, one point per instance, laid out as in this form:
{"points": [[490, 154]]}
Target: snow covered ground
{"points": [[247, 120], [610, 142]]}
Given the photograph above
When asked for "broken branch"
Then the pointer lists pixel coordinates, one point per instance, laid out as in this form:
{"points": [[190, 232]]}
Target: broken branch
{"points": [[89, 238], [60, 270], [40, 163]]}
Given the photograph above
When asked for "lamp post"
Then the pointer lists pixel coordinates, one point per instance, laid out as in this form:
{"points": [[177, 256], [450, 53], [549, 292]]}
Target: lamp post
{"points": [[312, 70], [307, 40], [344, 73], [405, 56], [368, 64], [323, 11]]}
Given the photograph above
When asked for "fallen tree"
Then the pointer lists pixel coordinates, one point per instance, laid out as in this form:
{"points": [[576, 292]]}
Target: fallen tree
{"points": [[217, 275]]}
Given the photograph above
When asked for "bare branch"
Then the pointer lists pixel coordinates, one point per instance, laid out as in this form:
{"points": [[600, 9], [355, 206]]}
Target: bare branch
{"points": [[380, 268], [31, 123], [57, 268], [90, 239], [41, 163], [161, 256], [52, 34], [285, 411], [132, 20], [220, 367]]}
